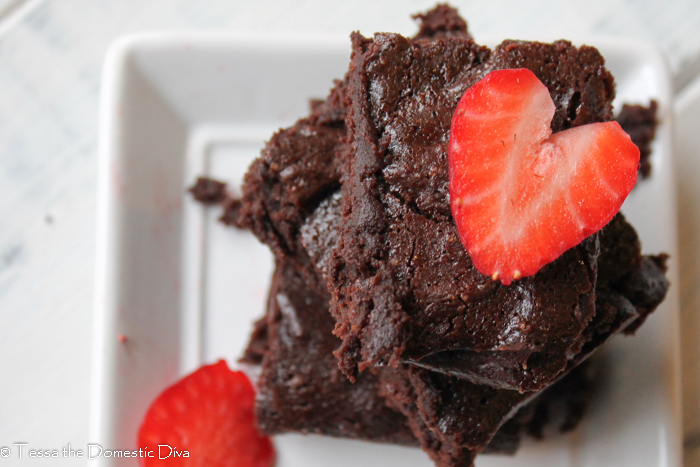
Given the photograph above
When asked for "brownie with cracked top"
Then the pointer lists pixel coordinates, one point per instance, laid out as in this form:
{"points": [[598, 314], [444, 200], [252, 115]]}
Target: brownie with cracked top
{"points": [[404, 289]]}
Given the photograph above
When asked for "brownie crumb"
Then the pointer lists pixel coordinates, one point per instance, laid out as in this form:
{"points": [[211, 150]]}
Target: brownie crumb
{"points": [[645, 287], [232, 213], [315, 105], [440, 22], [209, 191], [640, 123], [660, 260]]}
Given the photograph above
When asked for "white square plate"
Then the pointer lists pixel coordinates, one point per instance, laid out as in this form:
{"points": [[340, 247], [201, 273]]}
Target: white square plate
{"points": [[184, 290]]}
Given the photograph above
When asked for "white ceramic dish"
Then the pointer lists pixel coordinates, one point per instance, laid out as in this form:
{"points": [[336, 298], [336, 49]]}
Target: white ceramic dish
{"points": [[184, 289]]}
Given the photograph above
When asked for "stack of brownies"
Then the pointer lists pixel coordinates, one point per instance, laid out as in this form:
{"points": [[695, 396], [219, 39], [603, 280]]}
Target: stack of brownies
{"points": [[378, 326]]}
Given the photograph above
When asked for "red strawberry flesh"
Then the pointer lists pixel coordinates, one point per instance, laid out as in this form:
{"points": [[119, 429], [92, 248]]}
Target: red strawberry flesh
{"points": [[520, 195], [208, 414]]}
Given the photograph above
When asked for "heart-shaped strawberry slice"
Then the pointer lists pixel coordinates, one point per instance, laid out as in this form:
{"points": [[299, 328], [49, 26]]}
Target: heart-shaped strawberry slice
{"points": [[520, 195]]}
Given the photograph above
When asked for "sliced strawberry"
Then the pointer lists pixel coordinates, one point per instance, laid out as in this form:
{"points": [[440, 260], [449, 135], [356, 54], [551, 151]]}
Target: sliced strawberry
{"points": [[207, 416], [520, 195]]}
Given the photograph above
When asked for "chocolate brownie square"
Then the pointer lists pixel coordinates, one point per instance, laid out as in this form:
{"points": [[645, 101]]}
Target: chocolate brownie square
{"points": [[454, 418], [454, 443], [404, 289], [302, 390]]}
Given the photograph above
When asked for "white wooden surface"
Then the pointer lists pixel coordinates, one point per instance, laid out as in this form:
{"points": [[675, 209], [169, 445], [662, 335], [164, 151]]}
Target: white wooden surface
{"points": [[50, 59]]}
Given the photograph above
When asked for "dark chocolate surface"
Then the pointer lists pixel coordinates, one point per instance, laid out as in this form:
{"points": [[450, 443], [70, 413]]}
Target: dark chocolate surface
{"points": [[455, 416]]}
